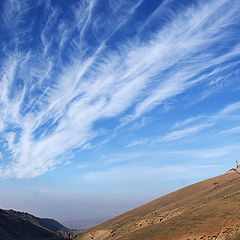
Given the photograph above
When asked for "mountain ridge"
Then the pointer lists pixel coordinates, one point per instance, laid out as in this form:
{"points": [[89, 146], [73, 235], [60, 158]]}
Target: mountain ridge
{"points": [[15, 225]]}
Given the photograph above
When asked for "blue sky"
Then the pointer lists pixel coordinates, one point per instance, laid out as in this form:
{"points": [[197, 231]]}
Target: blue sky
{"points": [[106, 104]]}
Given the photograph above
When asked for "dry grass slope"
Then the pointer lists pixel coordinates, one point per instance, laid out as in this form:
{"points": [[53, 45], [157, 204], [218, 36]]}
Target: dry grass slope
{"points": [[208, 210]]}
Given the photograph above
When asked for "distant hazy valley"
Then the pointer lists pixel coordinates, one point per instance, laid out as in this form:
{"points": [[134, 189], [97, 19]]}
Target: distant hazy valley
{"points": [[84, 224]]}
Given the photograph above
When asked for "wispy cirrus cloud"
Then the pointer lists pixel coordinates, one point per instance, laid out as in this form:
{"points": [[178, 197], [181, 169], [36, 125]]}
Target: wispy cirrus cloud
{"points": [[178, 134], [171, 136], [192, 125], [233, 130], [186, 121], [231, 108], [193, 160], [75, 71], [222, 153]]}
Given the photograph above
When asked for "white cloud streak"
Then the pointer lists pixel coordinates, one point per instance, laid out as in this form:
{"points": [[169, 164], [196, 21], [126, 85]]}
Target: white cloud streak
{"points": [[186, 128], [224, 152], [230, 108], [178, 134], [233, 130], [186, 121]]}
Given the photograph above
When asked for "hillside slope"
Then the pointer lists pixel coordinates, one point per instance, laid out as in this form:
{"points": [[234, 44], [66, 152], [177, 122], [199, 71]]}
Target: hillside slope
{"points": [[23, 226], [206, 210]]}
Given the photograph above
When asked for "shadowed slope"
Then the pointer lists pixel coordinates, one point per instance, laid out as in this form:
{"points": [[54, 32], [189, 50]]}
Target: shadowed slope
{"points": [[205, 210], [20, 225]]}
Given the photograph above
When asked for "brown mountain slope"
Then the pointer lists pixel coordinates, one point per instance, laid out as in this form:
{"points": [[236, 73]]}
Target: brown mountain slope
{"points": [[206, 210], [23, 226]]}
